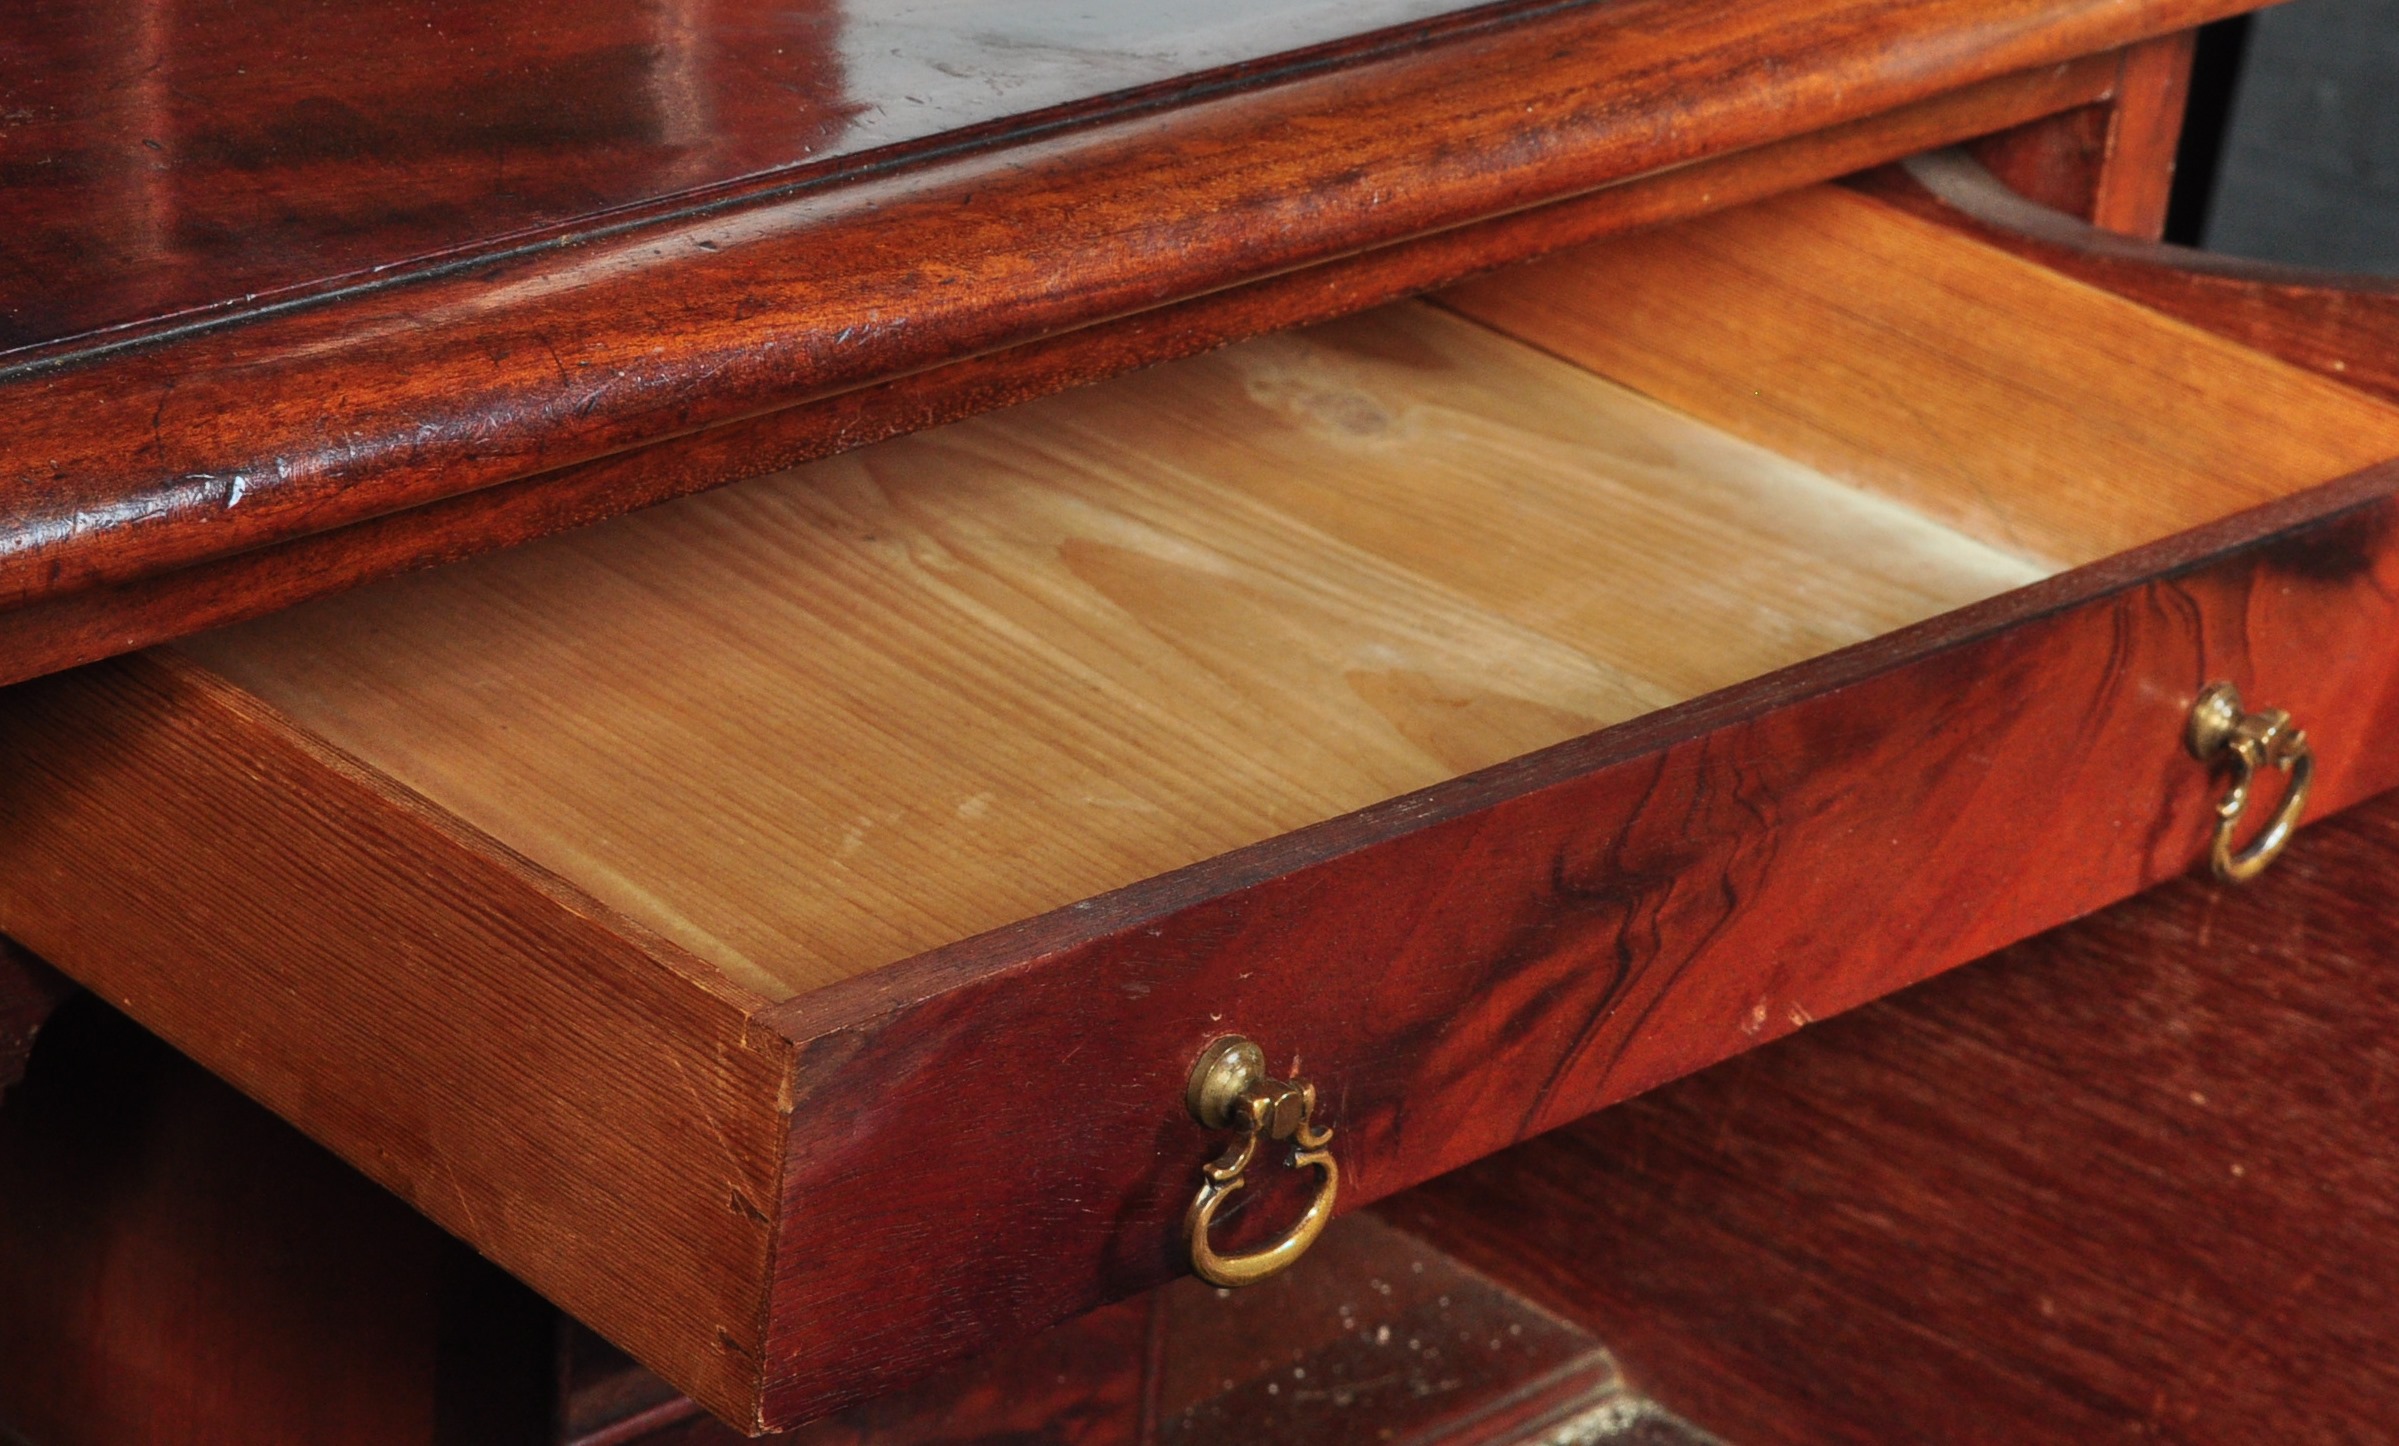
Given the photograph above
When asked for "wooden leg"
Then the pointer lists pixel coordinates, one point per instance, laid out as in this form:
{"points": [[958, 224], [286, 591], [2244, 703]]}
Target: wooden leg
{"points": [[2134, 1179], [177, 1266], [2111, 164]]}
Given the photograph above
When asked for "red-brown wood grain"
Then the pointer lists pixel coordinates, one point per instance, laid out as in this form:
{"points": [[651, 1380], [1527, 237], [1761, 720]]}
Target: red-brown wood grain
{"points": [[2342, 325], [2111, 164], [1497, 956], [99, 622], [2144, 133], [143, 460], [168, 164], [2056, 160], [2130, 1180]]}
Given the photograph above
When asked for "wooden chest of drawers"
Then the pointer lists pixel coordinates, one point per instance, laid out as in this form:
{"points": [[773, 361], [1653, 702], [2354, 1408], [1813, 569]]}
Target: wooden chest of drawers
{"points": [[781, 926]]}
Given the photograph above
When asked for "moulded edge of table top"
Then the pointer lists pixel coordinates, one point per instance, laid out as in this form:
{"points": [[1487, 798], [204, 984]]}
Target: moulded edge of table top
{"points": [[459, 382]]}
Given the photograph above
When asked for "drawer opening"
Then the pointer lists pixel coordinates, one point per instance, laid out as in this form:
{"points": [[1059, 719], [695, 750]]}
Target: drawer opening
{"points": [[816, 723], [706, 914]]}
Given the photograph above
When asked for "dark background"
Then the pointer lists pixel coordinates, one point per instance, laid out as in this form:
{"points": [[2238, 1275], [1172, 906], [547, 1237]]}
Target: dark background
{"points": [[2292, 148]]}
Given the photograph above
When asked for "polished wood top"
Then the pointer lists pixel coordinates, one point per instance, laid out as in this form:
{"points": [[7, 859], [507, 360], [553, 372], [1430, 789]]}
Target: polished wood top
{"points": [[164, 162], [127, 464]]}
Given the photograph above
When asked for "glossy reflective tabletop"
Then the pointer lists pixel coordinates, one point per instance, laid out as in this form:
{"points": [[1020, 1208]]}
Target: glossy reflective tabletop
{"points": [[163, 159]]}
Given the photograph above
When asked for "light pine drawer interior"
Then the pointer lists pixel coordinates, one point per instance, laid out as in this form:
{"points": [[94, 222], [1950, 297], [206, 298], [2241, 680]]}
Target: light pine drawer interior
{"points": [[662, 906], [819, 722]]}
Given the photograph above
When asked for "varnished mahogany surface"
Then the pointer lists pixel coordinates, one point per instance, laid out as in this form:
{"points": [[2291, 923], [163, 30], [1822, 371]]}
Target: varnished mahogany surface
{"points": [[161, 161], [101, 621], [1500, 956], [2131, 1180], [787, 1206], [155, 458], [2111, 164]]}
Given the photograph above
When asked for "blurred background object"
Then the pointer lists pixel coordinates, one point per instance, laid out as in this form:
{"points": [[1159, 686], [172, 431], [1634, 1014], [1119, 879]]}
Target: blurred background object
{"points": [[2292, 149]]}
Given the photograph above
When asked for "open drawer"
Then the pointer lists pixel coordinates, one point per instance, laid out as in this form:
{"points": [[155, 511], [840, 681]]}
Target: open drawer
{"points": [[781, 926]]}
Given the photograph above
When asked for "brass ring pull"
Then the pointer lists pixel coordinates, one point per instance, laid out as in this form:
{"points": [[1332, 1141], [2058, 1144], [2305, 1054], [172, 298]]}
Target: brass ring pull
{"points": [[2219, 729], [1229, 1090]]}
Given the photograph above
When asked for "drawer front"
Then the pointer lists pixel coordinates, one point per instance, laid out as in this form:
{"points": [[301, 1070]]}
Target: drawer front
{"points": [[784, 1207], [994, 1136]]}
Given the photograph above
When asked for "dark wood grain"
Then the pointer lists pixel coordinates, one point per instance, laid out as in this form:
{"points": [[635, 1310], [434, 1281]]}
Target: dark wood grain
{"points": [[2056, 160], [2111, 164], [2130, 1180], [1495, 957], [2344, 326], [178, 1265], [305, 419], [170, 163], [1082, 1384], [99, 622], [29, 991]]}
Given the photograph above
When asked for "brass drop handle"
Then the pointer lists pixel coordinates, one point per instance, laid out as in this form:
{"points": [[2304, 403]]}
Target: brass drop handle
{"points": [[1229, 1090], [2221, 730]]}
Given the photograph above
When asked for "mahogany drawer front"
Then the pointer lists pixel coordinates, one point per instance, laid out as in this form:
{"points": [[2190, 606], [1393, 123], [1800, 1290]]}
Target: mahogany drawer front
{"points": [[1473, 733]]}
